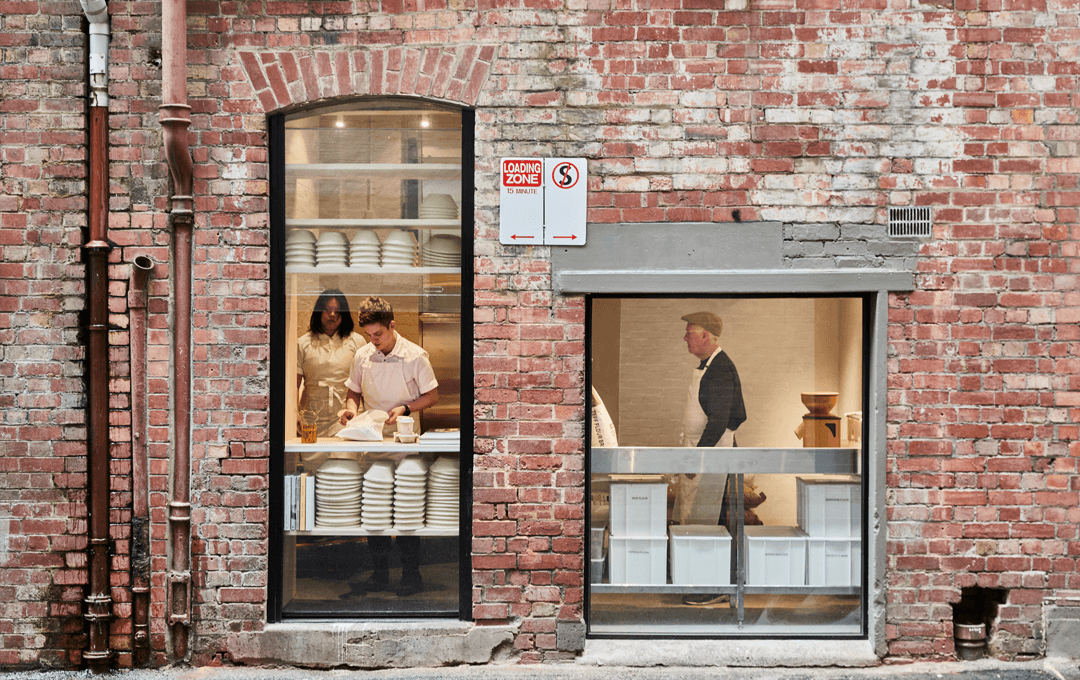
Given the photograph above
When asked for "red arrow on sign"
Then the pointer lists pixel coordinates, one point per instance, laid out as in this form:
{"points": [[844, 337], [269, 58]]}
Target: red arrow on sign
{"points": [[572, 236], [515, 236]]}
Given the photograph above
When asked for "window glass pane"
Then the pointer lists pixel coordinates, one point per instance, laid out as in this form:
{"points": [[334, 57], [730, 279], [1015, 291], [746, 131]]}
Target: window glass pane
{"points": [[701, 402], [373, 324]]}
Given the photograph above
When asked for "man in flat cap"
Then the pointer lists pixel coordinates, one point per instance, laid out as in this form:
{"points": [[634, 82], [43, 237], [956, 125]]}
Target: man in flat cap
{"points": [[714, 411]]}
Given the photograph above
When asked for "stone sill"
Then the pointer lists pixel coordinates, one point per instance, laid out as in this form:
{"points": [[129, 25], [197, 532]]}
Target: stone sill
{"points": [[373, 644], [730, 653]]}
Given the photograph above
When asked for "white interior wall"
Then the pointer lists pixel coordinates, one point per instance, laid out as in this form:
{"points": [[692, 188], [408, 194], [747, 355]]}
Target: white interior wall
{"points": [[781, 348]]}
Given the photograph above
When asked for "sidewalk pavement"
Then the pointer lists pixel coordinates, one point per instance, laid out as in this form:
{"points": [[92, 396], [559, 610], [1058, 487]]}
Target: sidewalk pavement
{"points": [[985, 669]]}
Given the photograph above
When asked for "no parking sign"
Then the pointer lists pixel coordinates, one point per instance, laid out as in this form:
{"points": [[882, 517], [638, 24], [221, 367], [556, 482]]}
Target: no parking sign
{"points": [[542, 200]]}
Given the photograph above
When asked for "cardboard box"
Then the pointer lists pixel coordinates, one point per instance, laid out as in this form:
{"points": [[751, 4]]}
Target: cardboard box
{"points": [[639, 509], [640, 560], [829, 506], [700, 555], [775, 556]]}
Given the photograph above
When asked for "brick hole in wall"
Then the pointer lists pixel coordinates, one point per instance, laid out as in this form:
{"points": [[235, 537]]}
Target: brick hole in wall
{"points": [[979, 605]]}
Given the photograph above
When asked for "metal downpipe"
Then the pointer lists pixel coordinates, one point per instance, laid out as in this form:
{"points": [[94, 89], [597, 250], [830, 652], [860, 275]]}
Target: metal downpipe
{"points": [[99, 597], [175, 116], [141, 269]]}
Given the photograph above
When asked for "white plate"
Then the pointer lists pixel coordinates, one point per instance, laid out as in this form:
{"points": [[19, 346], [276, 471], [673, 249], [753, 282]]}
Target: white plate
{"points": [[339, 466]]}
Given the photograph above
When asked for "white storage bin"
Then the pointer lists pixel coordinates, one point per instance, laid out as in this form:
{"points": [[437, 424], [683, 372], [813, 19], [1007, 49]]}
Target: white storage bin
{"points": [[829, 506], [700, 555], [775, 556], [639, 509], [596, 570], [596, 542], [640, 560], [833, 561]]}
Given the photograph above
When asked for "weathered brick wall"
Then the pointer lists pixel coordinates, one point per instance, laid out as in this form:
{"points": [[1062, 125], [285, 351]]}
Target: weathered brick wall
{"points": [[42, 425], [815, 113]]}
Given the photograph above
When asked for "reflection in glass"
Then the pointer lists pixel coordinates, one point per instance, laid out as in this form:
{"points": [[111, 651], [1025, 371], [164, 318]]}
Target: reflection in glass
{"points": [[756, 528], [373, 199]]}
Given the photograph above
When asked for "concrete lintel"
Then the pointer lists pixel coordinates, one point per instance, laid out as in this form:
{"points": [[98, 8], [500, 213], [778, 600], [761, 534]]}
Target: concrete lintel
{"points": [[730, 653], [776, 281], [375, 644]]}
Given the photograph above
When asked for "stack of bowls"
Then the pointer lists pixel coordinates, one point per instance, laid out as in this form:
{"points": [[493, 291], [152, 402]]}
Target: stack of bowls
{"points": [[331, 250], [438, 207], [300, 248], [337, 494], [377, 510], [443, 493], [399, 249], [365, 249], [410, 480], [442, 250]]}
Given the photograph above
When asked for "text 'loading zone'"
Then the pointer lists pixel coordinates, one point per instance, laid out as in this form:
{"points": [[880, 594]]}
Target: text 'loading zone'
{"points": [[542, 201]]}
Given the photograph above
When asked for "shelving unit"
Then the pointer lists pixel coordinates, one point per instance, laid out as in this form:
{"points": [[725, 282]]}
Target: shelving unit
{"points": [[733, 461]]}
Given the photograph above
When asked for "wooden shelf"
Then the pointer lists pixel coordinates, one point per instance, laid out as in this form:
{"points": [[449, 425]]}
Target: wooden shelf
{"points": [[387, 223], [370, 269], [356, 531], [339, 445]]}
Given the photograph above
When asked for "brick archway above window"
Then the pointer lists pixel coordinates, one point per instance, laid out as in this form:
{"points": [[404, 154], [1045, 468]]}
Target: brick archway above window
{"points": [[283, 79]]}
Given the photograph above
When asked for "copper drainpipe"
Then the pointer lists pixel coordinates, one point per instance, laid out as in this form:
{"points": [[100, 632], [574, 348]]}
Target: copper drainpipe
{"points": [[99, 597], [141, 269], [175, 115]]}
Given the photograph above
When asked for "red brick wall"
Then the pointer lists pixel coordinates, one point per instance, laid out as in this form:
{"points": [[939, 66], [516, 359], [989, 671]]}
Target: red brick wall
{"points": [[817, 113]]}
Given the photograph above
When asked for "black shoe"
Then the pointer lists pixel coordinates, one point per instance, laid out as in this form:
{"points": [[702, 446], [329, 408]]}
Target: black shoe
{"points": [[411, 584], [705, 600], [378, 582]]}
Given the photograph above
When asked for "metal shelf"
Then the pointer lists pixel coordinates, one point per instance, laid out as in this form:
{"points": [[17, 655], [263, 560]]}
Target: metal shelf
{"points": [[666, 589], [739, 460]]}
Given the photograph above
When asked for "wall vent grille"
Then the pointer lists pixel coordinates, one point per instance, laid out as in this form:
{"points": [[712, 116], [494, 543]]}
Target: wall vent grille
{"points": [[909, 222]]}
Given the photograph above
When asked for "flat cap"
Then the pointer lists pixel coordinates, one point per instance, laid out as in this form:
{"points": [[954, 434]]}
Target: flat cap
{"points": [[706, 320]]}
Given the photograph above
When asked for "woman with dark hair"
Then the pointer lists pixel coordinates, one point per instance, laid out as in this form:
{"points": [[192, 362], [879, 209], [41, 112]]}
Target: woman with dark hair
{"points": [[323, 358]]}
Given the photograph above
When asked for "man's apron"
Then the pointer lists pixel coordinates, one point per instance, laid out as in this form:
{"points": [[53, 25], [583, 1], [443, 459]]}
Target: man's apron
{"points": [[698, 500]]}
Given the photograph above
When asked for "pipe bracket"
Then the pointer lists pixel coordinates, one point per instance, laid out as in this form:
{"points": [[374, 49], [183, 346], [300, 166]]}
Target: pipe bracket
{"points": [[179, 598]]}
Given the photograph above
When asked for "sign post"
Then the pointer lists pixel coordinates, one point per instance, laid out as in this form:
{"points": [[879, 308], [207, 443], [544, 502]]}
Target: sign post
{"points": [[542, 201]]}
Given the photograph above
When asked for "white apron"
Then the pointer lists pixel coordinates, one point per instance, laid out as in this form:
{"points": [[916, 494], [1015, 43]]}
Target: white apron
{"points": [[384, 387], [697, 500]]}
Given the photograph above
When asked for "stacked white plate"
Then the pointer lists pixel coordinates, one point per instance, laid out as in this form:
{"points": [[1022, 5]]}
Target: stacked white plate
{"points": [[438, 207], [410, 481], [365, 249], [377, 510], [442, 494], [399, 249], [442, 250], [332, 250], [300, 248], [337, 494]]}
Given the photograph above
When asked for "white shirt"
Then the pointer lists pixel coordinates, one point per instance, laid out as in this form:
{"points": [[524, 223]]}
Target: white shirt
{"points": [[415, 369]]}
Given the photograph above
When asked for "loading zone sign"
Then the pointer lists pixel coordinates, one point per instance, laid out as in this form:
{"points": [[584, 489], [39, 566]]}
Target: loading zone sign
{"points": [[542, 201]]}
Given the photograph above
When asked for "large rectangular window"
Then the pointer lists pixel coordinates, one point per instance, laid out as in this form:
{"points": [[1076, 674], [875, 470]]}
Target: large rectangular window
{"points": [[371, 225], [726, 463]]}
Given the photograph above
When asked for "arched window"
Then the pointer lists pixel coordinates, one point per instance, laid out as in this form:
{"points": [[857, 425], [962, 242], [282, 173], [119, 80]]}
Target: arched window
{"points": [[371, 259]]}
